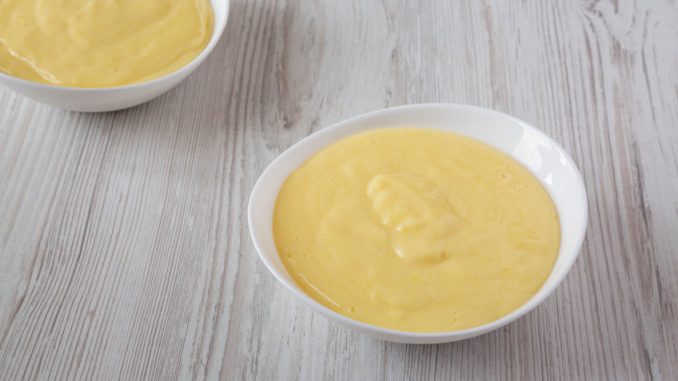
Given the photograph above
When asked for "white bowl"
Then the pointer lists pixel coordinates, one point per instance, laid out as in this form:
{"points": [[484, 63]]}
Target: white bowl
{"points": [[118, 97], [545, 158]]}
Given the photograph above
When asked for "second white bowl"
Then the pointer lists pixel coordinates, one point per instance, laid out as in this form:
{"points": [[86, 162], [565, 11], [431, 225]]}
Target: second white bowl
{"points": [[545, 158], [119, 97]]}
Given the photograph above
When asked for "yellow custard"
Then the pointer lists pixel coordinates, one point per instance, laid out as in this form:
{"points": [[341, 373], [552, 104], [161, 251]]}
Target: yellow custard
{"points": [[416, 230], [100, 43]]}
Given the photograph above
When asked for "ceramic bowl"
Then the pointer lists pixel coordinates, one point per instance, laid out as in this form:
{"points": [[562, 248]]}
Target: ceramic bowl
{"points": [[541, 155], [119, 97]]}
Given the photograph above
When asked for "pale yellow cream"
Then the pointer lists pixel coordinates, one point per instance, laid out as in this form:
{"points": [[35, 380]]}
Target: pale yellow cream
{"points": [[100, 43], [416, 230]]}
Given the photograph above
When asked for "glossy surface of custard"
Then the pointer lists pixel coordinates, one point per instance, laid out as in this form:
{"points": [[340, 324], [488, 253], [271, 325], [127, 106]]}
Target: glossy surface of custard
{"points": [[101, 43], [416, 230]]}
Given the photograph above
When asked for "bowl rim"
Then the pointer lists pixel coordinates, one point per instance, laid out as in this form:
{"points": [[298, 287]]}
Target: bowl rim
{"points": [[438, 336], [217, 32]]}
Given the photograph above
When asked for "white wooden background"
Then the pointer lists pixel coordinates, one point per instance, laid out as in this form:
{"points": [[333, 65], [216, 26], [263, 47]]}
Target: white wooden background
{"points": [[124, 252]]}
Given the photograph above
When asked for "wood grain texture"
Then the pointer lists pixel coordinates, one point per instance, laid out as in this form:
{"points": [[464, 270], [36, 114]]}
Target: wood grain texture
{"points": [[124, 252]]}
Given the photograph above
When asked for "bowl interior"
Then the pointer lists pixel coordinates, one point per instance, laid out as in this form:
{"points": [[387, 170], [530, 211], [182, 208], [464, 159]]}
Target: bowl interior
{"points": [[552, 166], [221, 11], [220, 8]]}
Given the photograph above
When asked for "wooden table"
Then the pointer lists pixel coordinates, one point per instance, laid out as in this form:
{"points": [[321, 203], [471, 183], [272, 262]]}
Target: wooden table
{"points": [[124, 245]]}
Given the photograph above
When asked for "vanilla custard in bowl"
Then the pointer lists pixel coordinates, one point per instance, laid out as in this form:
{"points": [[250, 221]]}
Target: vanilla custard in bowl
{"points": [[101, 43], [416, 230]]}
